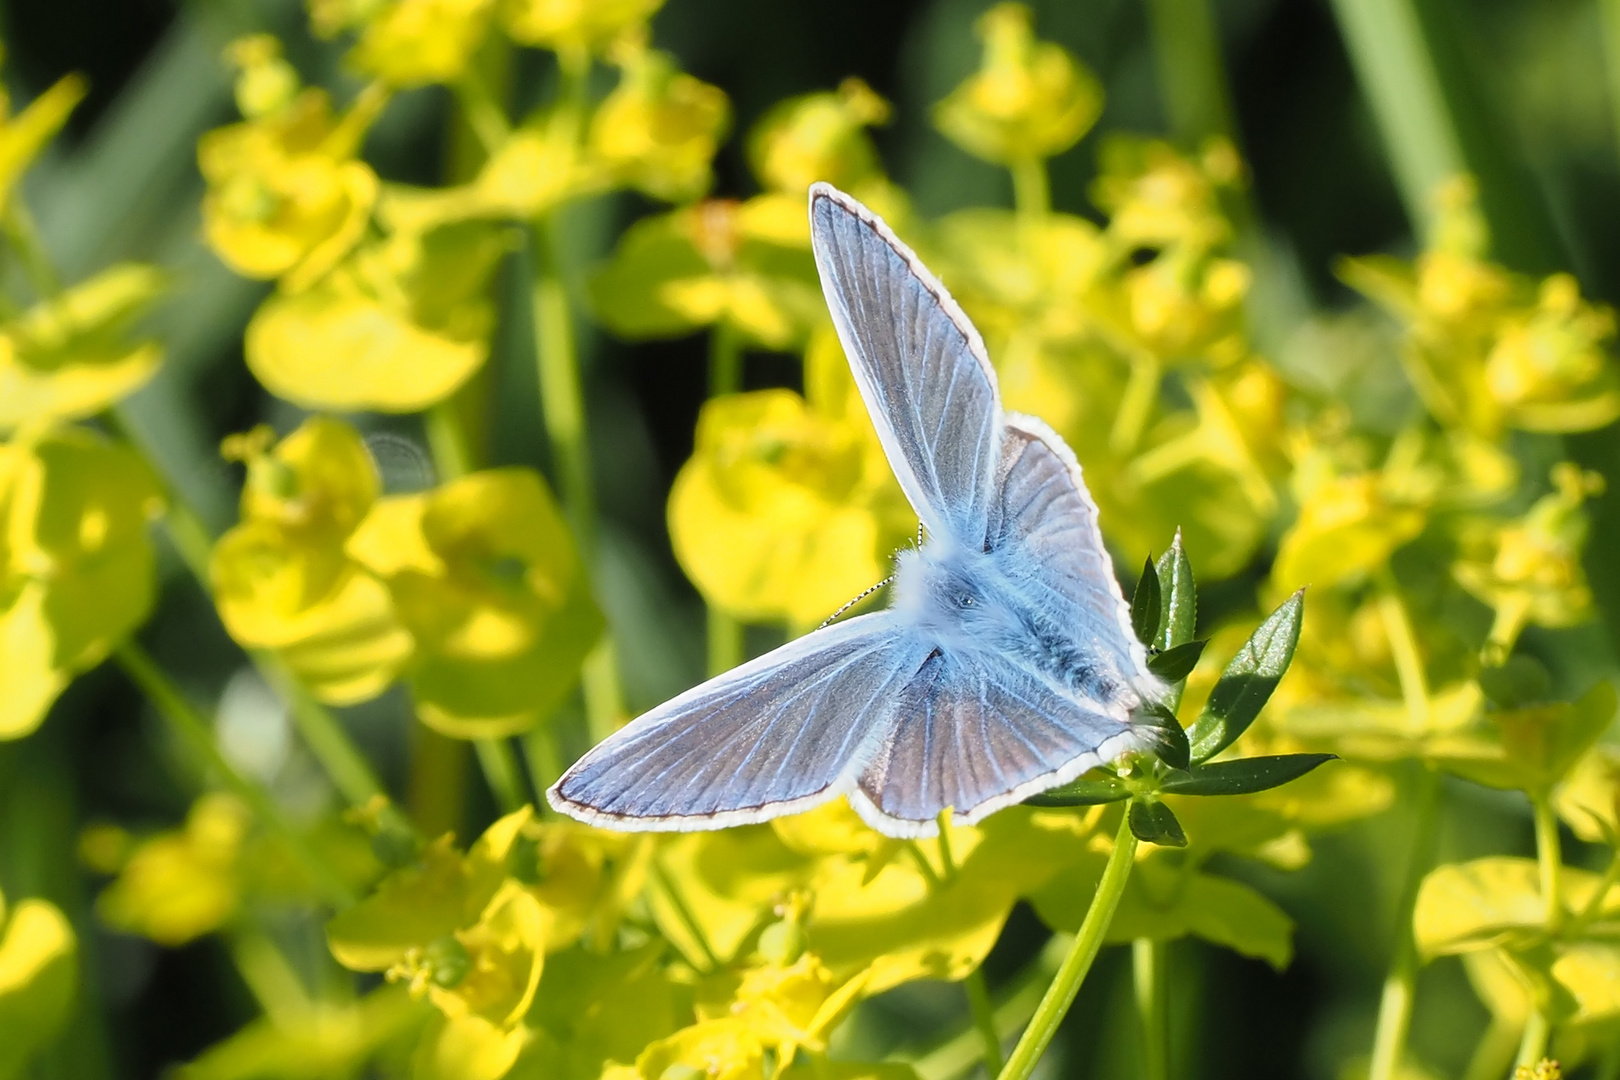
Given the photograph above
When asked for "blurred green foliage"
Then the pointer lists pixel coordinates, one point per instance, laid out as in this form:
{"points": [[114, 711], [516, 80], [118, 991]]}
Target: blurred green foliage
{"points": [[497, 322]]}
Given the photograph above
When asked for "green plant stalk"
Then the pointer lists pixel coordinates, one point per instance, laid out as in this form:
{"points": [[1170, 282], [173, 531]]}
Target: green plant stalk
{"points": [[954, 1055], [562, 401], [1533, 1044], [193, 730], [984, 1019], [725, 631], [1136, 405], [1549, 862], [1060, 995], [1403, 649], [1149, 968], [1400, 983], [683, 912], [545, 763], [1494, 1052], [1032, 194], [1609, 20], [1392, 64], [1192, 75], [500, 764]]}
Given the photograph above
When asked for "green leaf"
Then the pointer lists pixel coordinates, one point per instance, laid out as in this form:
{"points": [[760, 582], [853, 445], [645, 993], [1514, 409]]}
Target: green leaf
{"points": [[1153, 822], [1176, 662], [1171, 745], [1145, 605], [1246, 684], [1081, 792], [1244, 776], [1180, 604]]}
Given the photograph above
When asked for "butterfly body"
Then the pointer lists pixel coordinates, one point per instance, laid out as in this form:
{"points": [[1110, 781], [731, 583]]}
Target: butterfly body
{"points": [[1006, 663]]}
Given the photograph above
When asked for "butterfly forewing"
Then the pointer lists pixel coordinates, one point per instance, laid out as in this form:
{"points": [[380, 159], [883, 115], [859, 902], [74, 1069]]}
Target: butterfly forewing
{"points": [[780, 732], [920, 365]]}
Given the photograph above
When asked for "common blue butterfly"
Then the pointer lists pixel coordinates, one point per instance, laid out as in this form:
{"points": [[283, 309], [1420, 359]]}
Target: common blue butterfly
{"points": [[1006, 664]]}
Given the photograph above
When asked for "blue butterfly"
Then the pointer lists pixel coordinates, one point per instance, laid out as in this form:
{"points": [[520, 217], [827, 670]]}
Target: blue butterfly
{"points": [[1005, 666]]}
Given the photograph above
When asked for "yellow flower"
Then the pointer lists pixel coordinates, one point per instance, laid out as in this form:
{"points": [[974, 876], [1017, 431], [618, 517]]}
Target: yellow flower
{"points": [[1549, 368], [483, 571], [265, 83], [66, 357], [1029, 99], [724, 1049], [76, 565], [182, 884], [819, 137], [1347, 527], [458, 931], [715, 262], [396, 328], [574, 25], [285, 197], [657, 131], [281, 578], [1157, 198], [412, 42], [773, 516], [1529, 569], [39, 964]]}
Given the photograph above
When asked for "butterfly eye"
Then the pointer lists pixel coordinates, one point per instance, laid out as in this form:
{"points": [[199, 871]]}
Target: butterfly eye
{"points": [[965, 600]]}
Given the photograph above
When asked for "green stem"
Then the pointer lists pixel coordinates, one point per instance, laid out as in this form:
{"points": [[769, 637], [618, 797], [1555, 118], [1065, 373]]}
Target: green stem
{"points": [[1594, 906], [725, 360], [1402, 85], [194, 731], [1136, 404], [1533, 1044], [725, 634], [1400, 983], [562, 402], [1149, 964], [1609, 16], [1494, 1052], [501, 769], [1192, 75], [448, 441], [984, 1019], [958, 1053], [1031, 194], [1549, 861], [1403, 649], [1060, 995], [683, 912], [545, 763], [23, 236]]}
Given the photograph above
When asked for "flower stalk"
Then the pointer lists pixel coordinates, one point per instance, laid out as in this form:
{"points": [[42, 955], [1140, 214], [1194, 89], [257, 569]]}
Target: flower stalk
{"points": [[1061, 993]]}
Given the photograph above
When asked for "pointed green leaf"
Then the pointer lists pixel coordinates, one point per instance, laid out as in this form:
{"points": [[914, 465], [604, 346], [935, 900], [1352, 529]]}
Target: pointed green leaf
{"points": [[1180, 598], [1170, 739], [1153, 823], [1244, 776], [1145, 605], [1176, 663], [1081, 792], [1246, 684]]}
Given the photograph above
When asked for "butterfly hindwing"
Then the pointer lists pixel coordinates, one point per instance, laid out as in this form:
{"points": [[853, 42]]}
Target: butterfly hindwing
{"points": [[780, 733], [920, 365], [977, 739], [1043, 527]]}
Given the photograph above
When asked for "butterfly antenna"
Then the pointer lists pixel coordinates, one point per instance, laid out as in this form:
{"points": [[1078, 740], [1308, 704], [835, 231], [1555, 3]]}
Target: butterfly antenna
{"points": [[919, 534], [868, 592]]}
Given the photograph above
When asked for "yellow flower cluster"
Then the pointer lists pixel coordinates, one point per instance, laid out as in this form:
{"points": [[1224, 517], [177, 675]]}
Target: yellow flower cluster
{"points": [[547, 949]]}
